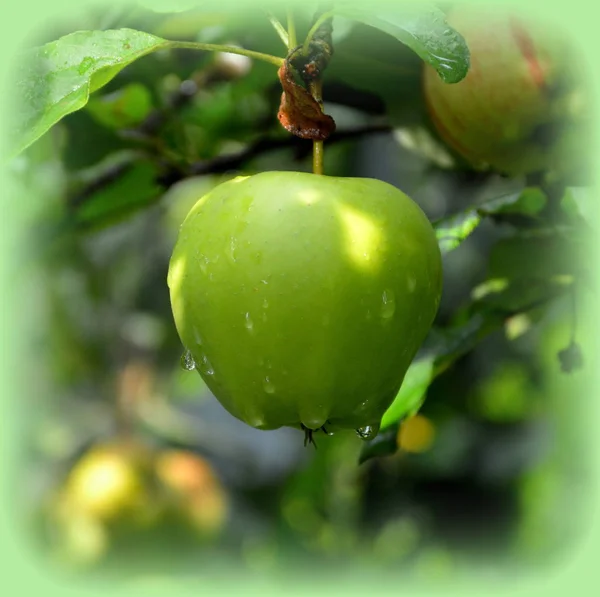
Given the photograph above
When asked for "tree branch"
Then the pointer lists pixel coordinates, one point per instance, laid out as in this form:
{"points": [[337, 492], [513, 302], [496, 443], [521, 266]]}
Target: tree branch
{"points": [[235, 161]]}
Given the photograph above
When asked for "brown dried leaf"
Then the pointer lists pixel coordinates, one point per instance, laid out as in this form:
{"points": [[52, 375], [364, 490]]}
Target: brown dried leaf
{"points": [[299, 112]]}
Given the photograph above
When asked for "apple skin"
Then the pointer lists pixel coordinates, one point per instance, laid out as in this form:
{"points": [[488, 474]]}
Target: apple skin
{"points": [[520, 109], [303, 298]]}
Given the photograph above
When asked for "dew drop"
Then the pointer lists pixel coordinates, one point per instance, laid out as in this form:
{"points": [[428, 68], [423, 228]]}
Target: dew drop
{"points": [[204, 263], [230, 249], [248, 323], [367, 432], [255, 420], [268, 386], [412, 284], [388, 306], [187, 361], [204, 366]]}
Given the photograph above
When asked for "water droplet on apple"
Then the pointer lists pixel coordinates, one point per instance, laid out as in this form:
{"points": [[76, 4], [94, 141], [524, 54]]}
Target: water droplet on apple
{"points": [[258, 257], [204, 366], [269, 386], [367, 432], [248, 323], [203, 260], [187, 361], [230, 249], [388, 304], [255, 421]]}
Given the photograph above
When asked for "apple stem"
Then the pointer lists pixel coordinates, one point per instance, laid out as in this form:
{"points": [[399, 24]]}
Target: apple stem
{"points": [[291, 30], [316, 89], [279, 28], [189, 45]]}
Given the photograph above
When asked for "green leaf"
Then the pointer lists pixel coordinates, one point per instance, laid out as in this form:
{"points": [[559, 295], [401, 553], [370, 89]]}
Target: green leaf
{"points": [[449, 344], [528, 202], [423, 29], [133, 189], [412, 393], [58, 77], [514, 295], [126, 107], [384, 444], [453, 230], [536, 255]]}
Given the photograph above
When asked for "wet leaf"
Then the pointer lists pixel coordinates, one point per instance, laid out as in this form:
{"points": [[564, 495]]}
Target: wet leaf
{"points": [[453, 230], [529, 202], [423, 29], [57, 78], [412, 393], [441, 349]]}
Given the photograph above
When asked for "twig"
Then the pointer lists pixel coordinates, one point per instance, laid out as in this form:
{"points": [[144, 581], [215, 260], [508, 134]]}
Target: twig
{"points": [[235, 161]]}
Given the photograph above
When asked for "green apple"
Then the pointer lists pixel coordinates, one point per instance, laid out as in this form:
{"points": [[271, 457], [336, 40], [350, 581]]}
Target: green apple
{"points": [[302, 299], [521, 108]]}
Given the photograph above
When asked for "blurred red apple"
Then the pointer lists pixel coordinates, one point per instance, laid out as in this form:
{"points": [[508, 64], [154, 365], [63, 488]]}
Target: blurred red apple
{"points": [[520, 109], [195, 491]]}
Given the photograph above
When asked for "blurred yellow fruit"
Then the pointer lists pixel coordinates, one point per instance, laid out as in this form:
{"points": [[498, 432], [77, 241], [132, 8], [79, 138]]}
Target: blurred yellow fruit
{"points": [[208, 511], [108, 482], [416, 434], [82, 540]]}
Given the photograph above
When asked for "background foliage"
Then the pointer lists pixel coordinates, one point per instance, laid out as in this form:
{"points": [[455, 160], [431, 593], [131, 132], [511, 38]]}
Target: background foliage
{"points": [[492, 465]]}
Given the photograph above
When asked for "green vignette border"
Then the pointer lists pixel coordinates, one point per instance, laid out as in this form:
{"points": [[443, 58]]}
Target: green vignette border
{"points": [[574, 571]]}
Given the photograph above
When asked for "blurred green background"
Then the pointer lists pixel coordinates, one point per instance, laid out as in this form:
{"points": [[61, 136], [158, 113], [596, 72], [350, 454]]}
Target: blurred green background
{"points": [[129, 468]]}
